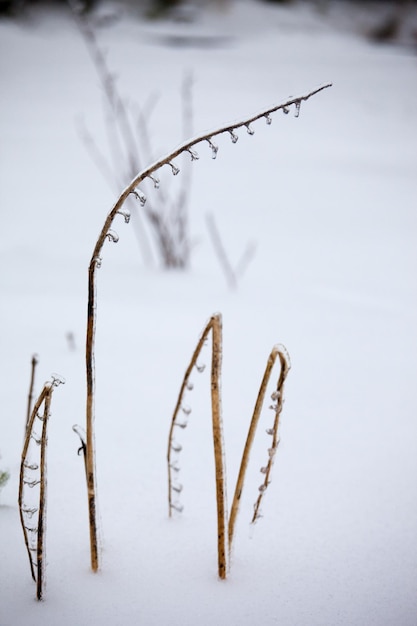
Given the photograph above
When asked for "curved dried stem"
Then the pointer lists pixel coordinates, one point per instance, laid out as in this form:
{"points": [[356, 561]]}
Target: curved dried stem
{"points": [[33, 473], [96, 261], [215, 326], [281, 352]]}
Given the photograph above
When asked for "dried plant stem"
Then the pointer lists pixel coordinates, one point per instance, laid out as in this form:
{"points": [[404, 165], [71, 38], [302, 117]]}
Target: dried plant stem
{"points": [[36, 553], [42, 499], [216, 360], [96, 261], [277, 351], [31, 386], [36, 408], [215, 326], [174, 421]]}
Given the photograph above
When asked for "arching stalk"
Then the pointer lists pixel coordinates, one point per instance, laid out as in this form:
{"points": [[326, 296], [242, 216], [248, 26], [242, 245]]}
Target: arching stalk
{"points": [[277, 351], [95, 262]]}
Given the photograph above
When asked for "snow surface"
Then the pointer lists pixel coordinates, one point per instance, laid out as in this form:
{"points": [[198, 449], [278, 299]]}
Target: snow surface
{"points": [[330, 200]]}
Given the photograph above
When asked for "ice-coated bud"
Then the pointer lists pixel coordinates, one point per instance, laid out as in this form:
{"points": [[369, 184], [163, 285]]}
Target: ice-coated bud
{"points": [[30, 512], [233, 136], [275, 395], [112, 236], [31, 483], [194, 154], [31, 466], [57, 379], [139, 195], [174, 168], [156, 181], [297, 108], [214, 148], [125, 214]]}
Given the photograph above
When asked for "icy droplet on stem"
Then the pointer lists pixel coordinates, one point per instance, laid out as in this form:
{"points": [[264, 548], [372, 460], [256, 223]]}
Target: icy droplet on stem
{"points": [[174, 168], [29, 512], [233, 136], [139, 195], [98, 261], [190, 386], [214, 148], [285, 110], [194, 154], [155, 180], [112, 236], [297, 108], [125, 214], [249, 129], [186, 409], [57, 379], [268, 119], [31, 466], [200, 368]]}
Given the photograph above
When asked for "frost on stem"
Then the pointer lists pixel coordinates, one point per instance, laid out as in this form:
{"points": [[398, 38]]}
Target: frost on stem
{"points": [[175, 170], [32, 482], [214, 148], [139, 195], [112, 236], [233, 136], [193, 154], [215, 321], [297, 108], [125, 213]]}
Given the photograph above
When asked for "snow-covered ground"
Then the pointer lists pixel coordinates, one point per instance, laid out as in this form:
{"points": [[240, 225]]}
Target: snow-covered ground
{"points": [[330, 200]]}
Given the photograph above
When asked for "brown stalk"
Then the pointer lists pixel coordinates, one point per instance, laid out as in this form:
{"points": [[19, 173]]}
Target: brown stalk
{"points": [[96, 261], [37, 564], [215, 326], [277, 351], [216, 362], [31, 386]]}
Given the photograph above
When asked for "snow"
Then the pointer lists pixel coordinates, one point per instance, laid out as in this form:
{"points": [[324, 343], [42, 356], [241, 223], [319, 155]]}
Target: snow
{"points": [[329, 200]]}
